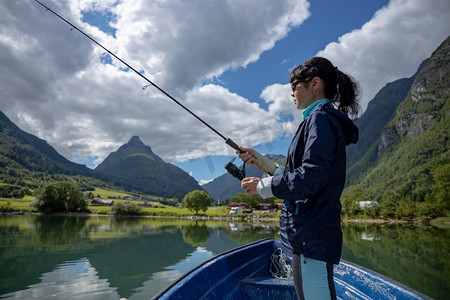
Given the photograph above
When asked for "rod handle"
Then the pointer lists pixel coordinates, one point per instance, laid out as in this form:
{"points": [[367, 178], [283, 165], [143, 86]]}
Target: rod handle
{"points": [[257, 163]]}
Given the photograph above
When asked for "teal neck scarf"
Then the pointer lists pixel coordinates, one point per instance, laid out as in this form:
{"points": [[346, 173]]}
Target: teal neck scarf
{"points": [[313, 107]]}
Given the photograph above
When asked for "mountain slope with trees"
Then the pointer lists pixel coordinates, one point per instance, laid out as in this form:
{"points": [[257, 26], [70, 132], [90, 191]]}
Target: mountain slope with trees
{"points": [[26, 151], [411, 162], [379, 112], [27, 162]]}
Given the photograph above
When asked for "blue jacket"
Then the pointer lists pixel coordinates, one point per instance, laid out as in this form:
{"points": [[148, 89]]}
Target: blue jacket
{"points": [[312, 183]]}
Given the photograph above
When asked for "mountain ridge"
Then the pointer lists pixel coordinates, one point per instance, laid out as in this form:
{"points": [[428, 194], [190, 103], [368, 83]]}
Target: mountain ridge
{"points": [[138, 167]]}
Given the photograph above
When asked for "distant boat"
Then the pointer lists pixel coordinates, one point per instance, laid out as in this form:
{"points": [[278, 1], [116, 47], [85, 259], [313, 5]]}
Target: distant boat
{"points": [[245, 273]]}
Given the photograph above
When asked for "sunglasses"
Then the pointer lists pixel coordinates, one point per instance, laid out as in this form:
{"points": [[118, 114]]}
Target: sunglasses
{"points": [[294, 84]]}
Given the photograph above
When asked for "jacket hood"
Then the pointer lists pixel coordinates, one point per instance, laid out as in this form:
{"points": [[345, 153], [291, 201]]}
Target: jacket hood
{"points": [[350, 129]]}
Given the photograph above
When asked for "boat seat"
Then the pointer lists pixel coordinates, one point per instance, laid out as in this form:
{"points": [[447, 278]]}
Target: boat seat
{"points": [[267, 287]]}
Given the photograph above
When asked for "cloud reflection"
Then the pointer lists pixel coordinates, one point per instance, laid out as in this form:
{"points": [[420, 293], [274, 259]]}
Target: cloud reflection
{"points": [[160, 280], [70, 280]]}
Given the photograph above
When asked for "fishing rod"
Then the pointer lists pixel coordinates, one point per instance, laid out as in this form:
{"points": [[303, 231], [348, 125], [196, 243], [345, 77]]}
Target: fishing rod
{"points": [[262, 166]]}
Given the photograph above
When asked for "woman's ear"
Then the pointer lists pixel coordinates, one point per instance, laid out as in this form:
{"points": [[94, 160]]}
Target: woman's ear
{"points": [[316, 84]]}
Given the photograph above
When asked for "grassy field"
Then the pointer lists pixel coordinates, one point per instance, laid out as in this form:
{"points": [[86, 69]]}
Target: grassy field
{"points": [[105, 194], [157, 209], [7, 204]]}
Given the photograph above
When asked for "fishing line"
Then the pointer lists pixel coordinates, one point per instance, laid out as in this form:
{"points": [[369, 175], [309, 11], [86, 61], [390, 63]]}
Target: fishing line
{"points": [[228, 141]]}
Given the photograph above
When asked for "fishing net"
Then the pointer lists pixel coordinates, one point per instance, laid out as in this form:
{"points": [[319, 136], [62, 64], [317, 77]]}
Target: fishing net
{"points": [[279, 266]]}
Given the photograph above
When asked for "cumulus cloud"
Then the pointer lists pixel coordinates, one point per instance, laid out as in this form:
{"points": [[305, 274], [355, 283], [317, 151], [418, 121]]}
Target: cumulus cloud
{"points": [[55, 83], [391, 45]]}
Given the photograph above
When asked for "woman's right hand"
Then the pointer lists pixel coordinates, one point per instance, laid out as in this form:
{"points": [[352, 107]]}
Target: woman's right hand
{"points": [[247, 155], [253, 157]]}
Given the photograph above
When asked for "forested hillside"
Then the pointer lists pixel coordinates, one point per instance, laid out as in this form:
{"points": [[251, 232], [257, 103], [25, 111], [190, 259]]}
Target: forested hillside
{"points": [[381, 109], [411, 171], [27, 162]]}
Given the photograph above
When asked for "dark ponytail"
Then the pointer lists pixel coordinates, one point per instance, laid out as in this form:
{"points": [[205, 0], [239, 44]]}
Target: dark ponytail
{"points": [[339, 87]]}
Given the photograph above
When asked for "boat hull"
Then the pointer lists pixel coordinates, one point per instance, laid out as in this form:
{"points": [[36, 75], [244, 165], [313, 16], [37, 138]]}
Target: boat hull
{"points": [[244, 273]]}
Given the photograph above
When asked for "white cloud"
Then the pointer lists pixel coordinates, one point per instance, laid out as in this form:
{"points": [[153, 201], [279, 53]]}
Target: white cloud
{"points": [[391, 45], [54, 85], [204, 181]]}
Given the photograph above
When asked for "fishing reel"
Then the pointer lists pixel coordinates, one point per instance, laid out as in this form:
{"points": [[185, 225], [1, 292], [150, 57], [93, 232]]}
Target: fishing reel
{"points": [[234, 171]]}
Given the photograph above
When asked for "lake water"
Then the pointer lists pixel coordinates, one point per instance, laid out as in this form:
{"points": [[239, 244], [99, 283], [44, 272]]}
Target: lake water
{"points": [[54, 257]]}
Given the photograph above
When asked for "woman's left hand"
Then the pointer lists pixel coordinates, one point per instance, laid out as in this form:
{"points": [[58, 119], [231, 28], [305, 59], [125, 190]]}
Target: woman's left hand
{"points": [[249, 185]]}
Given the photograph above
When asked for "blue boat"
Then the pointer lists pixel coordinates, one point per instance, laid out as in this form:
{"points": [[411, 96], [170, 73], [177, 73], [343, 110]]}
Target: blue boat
{"points": [[247, 272]]}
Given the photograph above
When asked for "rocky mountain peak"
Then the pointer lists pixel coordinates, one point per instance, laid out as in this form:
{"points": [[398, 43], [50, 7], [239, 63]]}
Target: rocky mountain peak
{"points": [[135, 140]]}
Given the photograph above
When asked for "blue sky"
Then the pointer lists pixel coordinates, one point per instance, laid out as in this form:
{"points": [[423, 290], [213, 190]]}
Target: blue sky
{"points": [[227, 61]]}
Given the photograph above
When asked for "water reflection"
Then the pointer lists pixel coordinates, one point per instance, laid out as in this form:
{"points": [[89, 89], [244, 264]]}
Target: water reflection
{"points": [[74, 280], [109, 258], [195, 234], [160, 280], [416, 256]]}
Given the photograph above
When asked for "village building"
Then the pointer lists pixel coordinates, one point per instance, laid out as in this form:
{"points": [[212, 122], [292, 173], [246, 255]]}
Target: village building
{"points": [[230, 205], [102, 202], [263, 206], [367, 204]]}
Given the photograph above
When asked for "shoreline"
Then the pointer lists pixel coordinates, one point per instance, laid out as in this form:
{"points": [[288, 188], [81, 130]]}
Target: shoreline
{"points": [[442, 222]]}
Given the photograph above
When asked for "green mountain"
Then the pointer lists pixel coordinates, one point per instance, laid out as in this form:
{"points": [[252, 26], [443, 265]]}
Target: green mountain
{"points": [[409, 159], [24, 151], [136, 166], [27, 162], [379, 112]]}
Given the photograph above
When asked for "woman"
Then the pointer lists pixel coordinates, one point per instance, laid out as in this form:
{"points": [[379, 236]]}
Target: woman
{"points": [[312, 181]]}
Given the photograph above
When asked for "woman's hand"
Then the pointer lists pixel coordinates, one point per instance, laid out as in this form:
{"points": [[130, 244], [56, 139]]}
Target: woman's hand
{"points": [[248, 155], [249, 185], [253, 157]]}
